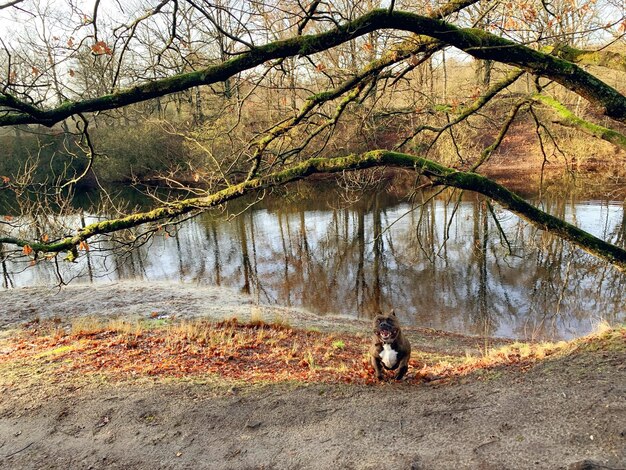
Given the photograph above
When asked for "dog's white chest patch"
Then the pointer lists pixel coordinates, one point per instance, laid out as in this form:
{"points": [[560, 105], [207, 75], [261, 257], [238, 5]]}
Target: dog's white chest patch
{"points": [[388, 356]]}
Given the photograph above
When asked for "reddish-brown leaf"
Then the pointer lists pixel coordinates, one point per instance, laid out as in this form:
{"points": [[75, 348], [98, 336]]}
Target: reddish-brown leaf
{"points": [[100, 48]]}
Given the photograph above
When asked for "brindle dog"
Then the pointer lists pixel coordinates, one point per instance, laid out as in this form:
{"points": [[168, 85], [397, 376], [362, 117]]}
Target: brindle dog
{"points": [[390, 349]]}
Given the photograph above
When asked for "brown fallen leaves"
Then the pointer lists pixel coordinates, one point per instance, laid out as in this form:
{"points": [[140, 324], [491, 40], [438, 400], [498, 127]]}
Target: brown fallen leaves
{"points": [[258, 351]]}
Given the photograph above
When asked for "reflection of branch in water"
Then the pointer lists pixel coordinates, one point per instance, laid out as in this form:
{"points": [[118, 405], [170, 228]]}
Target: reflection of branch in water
{"points": [[446, 233], [250, 264], [216, 256], [510, 310], [286, 257], [564, 282], [413, 208], [360, 274], [430, 200], [481, 243], [245, 257], [255, 270], [378, 255], [501, 232], [618, 234]]}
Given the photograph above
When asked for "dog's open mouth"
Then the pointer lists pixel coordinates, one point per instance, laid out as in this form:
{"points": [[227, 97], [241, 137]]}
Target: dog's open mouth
{"points": [[385, 334]]}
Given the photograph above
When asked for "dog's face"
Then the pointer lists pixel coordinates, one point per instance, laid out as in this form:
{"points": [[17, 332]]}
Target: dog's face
{"points": [[386, 327]]}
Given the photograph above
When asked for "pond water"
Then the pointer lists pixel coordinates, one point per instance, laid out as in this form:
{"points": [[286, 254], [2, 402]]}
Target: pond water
{"points": [[443, 263]]}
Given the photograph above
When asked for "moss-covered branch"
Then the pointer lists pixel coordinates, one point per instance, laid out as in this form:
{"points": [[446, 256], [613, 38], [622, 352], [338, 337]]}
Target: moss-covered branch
{"points": [[569, 119], [475, 42], [439, 174], [608, 59]]}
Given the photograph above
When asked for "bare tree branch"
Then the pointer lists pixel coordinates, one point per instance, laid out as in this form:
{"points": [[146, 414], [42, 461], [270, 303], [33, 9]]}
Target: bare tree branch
{"points": [[488, 151], [477, 43], [10, 4], [467, 111]]}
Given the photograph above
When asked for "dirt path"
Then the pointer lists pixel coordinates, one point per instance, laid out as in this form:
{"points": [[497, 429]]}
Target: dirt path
{"points": [[567, 412]]}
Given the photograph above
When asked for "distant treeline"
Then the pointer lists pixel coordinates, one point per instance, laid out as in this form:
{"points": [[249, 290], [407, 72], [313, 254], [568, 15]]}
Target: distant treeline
{"points": [[139, 152]]}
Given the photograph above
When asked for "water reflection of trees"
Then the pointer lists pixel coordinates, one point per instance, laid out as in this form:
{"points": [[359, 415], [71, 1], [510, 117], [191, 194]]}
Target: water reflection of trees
{"points": [[452, 273], [442, 263]]}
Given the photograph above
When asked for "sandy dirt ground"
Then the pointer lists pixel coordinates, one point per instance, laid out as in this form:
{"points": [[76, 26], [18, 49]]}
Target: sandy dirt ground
{"points": [[564, 413]]}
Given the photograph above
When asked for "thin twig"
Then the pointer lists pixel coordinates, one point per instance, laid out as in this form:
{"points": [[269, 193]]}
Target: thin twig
{"points": [[18, 451]]}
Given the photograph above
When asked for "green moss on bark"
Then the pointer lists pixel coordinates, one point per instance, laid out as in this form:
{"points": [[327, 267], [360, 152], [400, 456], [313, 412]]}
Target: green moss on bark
{"points": [[608, 59], [570, 119]]}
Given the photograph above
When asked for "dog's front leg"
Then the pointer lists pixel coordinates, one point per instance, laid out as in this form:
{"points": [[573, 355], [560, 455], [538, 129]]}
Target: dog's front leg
{"points": [[402, 368], [376, 364]]}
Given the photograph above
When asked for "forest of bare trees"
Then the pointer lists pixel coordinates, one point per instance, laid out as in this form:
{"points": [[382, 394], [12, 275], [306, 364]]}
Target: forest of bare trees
{"points": [[222, 99]]}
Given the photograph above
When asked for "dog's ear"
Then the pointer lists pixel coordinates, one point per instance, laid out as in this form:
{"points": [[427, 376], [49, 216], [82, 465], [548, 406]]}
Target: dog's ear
{"points": [[392, 313]]}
